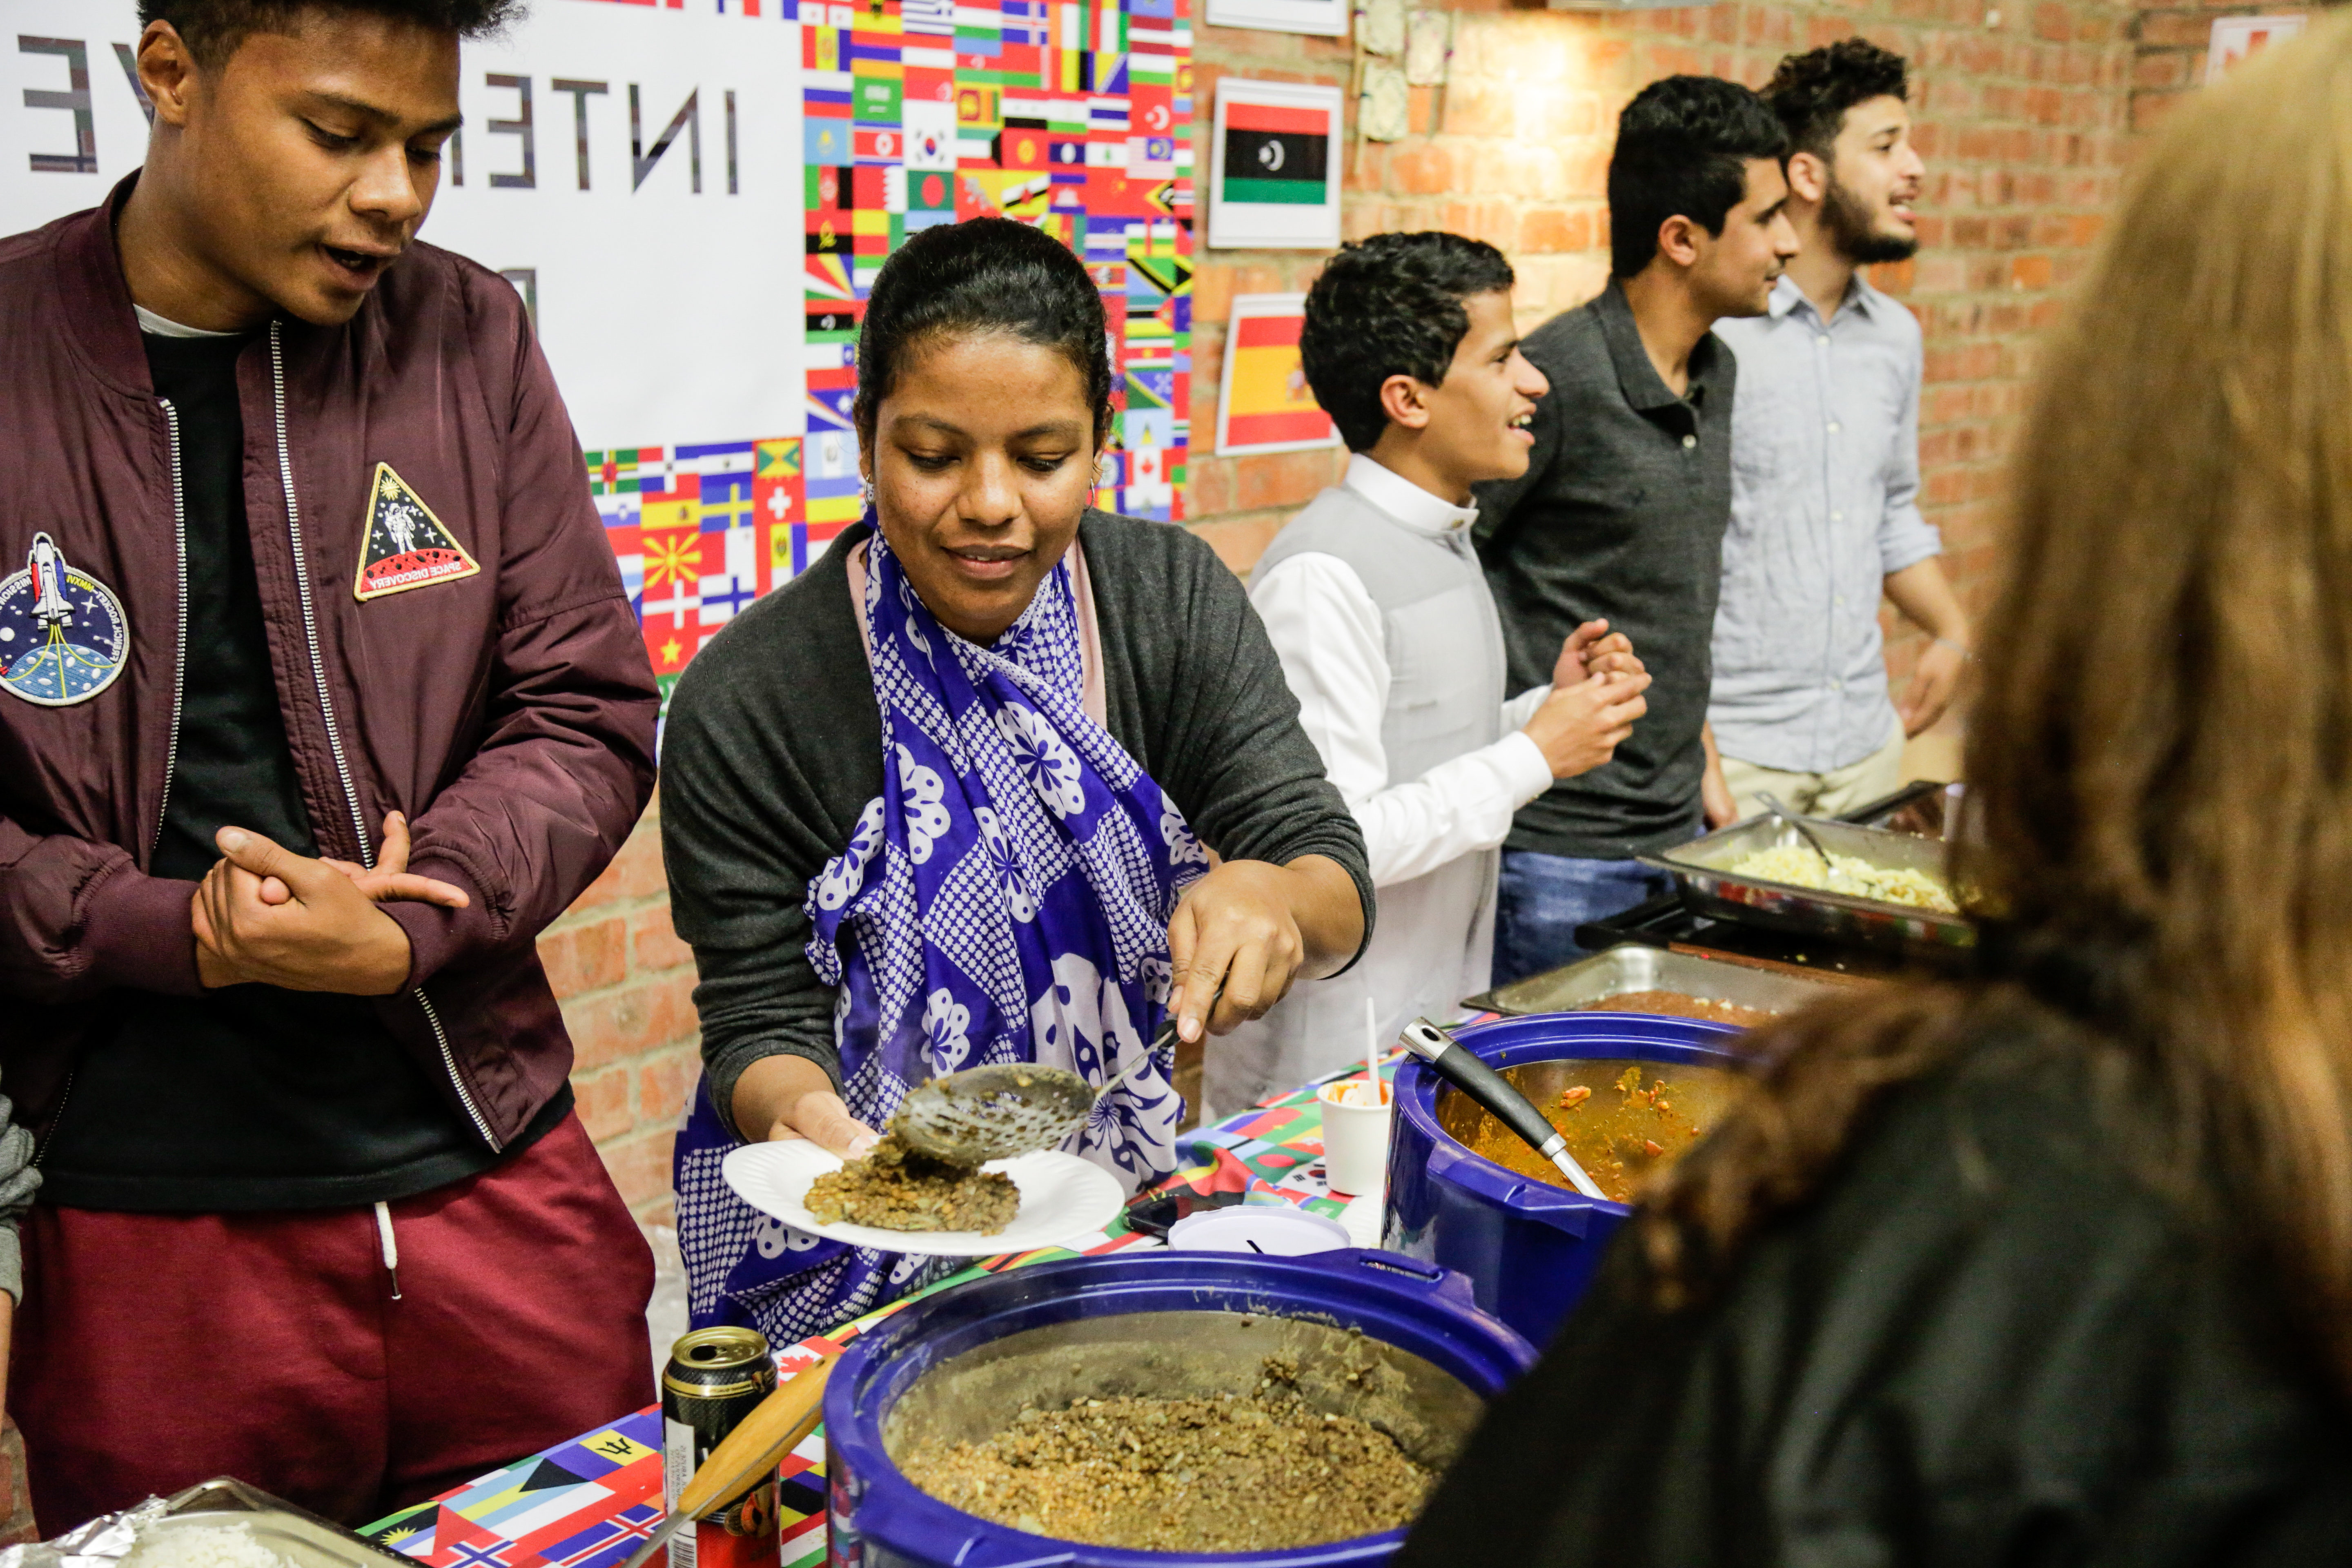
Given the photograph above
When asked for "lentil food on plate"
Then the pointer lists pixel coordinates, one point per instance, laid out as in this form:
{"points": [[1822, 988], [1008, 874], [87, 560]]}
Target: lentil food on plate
{"points": [[894, 1188], [1236, 1473]]}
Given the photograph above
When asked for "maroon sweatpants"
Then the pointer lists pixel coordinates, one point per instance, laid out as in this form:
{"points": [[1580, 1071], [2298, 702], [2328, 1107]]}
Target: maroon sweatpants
{"points": [[155, 1351]]}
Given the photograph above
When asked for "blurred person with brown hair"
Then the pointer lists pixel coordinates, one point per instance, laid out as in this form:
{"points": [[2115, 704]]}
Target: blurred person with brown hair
{"points": [[2053, 1263]]}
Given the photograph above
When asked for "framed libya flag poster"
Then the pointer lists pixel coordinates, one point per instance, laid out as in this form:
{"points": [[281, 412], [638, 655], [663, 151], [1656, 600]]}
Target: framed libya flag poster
{"points": [[1274, 179], [1263, 404]]}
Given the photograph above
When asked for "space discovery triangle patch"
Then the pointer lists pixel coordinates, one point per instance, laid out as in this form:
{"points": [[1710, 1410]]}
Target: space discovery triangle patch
{"points": [[406, 546]]}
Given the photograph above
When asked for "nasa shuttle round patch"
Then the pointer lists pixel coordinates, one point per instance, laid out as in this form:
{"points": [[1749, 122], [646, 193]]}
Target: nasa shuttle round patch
{"points": [[63, 634]]}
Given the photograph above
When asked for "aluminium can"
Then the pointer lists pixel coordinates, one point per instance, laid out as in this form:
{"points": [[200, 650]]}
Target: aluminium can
{"points": [[715, 1378]]}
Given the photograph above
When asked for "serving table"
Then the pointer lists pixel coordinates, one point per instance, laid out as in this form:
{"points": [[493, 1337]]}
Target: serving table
{"points": [[587, 1503]]}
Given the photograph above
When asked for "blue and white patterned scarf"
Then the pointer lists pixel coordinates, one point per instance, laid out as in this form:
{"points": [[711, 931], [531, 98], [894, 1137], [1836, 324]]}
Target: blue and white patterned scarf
{"points": [[1005, 898]]}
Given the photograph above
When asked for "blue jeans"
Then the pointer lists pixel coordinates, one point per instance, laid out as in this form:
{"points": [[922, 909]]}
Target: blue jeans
{"points": [[1540, 900]]}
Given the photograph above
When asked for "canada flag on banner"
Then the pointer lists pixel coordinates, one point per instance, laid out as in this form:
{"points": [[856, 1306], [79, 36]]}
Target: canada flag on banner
{"points": [[406, 546]]}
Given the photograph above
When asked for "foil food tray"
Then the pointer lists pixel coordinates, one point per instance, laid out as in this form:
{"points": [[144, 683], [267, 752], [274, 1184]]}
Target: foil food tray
{"points": [[296, 1536], [1703, 875], [1635, 966]]}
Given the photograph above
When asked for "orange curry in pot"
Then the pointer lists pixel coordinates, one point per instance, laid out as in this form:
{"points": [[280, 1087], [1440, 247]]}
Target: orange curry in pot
{"points": [[1623, 1119]]}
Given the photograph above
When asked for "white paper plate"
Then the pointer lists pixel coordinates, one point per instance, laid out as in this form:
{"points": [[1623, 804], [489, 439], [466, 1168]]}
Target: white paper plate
{"points": [[1062, 1197]]}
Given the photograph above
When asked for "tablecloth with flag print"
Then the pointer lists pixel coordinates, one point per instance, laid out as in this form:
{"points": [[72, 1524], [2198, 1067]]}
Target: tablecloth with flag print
{"points": [[589, 1502]]}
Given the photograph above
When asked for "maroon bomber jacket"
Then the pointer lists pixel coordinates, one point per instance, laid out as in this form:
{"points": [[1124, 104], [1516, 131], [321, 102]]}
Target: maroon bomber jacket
{"points": [[508, 711]]}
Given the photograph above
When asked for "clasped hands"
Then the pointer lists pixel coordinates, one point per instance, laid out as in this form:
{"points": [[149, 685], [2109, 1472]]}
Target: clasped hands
{"points": [[1596, 694], [265, 914]]}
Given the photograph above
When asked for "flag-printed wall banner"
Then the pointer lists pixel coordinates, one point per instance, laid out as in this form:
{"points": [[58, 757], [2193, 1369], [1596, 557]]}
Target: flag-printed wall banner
{"points": [[695, 195], [1275, 152], [1264, 405]]}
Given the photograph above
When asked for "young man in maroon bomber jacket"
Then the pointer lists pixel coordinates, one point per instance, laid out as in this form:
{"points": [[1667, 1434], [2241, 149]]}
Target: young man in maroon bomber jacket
{"points": [[319, 699]]}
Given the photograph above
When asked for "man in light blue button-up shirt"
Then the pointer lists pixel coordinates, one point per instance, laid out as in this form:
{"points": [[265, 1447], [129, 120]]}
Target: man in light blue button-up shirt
{"points": [[1825, 468]]}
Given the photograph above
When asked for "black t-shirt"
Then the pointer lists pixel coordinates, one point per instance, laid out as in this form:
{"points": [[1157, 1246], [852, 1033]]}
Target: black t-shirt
{"points": [[249, 1096], [1619, 517]]}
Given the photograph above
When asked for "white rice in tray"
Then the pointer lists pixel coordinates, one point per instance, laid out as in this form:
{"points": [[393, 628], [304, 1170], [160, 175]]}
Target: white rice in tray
{"points": [[1799, 867], [203, 1546]]}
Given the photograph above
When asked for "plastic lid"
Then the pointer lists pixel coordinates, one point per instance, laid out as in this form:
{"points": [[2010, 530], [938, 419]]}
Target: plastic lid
{"points": [[1276, 1231]]}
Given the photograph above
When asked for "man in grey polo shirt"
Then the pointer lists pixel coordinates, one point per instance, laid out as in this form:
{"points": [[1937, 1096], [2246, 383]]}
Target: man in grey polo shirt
{"points": [[1825, 467], [1621, 514]]}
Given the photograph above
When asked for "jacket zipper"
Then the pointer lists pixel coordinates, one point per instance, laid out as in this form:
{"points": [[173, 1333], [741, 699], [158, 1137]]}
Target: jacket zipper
{"points": [[327, 710], [180, 652], [57, 1120]]}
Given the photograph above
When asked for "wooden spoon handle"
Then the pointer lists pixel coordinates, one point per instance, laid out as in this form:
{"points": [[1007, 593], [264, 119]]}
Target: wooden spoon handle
{"points": [[761, 1440]]}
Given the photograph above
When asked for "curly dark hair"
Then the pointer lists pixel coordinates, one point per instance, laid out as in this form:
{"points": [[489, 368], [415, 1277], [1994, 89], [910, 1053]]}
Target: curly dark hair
{"points": [[1812, 92], [214, 29], [1683, 146], [982, 275], [1391, 305]]}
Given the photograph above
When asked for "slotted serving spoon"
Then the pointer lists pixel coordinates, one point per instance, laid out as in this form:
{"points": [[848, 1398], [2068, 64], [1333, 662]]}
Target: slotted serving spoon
{"points": [[987, 1114]]}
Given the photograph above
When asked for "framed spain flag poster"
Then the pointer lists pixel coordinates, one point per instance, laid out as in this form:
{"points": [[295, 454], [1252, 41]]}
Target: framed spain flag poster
{"points": [[1263, 404], [1275, 153]]}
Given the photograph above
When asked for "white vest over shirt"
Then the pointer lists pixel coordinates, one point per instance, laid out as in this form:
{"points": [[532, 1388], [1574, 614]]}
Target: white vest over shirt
{"points": [[1377, 608]]}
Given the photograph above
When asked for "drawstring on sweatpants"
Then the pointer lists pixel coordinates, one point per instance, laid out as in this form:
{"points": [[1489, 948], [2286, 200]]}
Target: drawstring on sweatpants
{"points": [[390, 1247]]}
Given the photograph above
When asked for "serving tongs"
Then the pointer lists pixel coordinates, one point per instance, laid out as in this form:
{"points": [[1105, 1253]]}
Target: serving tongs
{"points": [[1461, 1066]]}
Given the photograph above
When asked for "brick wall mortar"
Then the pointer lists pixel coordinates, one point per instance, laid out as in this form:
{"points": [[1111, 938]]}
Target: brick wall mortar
{"points": [[626, 984]]}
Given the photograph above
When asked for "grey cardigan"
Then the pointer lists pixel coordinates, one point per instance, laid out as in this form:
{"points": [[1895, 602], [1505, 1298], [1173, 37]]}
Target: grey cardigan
{"points": [[773, 747]]}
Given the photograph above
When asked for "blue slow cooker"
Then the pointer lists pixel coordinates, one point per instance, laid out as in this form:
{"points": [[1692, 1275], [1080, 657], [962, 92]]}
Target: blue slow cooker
{"points": [[1407, 1344], [1529, 1248]]}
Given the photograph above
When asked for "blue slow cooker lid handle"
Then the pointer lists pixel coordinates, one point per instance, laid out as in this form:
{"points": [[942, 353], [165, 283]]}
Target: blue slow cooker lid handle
{"points": [[1393, 1270], [1461, 1066]]}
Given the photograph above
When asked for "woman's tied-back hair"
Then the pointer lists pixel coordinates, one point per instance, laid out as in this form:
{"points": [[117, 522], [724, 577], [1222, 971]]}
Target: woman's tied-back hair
{"points": [[1683, 146], [1812, 92], [1390, 306], [983, 275], [214, 29], [2161, 750]]}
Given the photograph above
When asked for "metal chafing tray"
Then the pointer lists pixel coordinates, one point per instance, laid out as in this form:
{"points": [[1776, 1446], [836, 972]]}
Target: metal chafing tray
{"points": [[1702, 873], [1636, 967], [298, 1537]]}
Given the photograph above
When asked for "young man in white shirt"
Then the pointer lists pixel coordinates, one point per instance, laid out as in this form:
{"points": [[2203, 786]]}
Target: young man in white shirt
{"points": [[1825, 467], [1377, 608]]}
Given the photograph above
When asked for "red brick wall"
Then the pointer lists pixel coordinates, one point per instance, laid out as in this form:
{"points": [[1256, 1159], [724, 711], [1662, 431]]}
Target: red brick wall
{"points": [[2168, 45], [626, 983]]}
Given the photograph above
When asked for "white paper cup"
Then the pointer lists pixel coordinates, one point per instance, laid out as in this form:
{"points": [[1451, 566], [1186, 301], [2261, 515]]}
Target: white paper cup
{"points": [[1355, 1136]]}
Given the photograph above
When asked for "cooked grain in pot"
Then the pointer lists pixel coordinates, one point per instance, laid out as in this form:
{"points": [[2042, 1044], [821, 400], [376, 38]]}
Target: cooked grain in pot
{"points": [[1250, 1473]]}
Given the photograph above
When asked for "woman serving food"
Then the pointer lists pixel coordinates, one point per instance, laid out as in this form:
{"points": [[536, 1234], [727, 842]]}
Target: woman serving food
{"points": [[948, 798]]}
